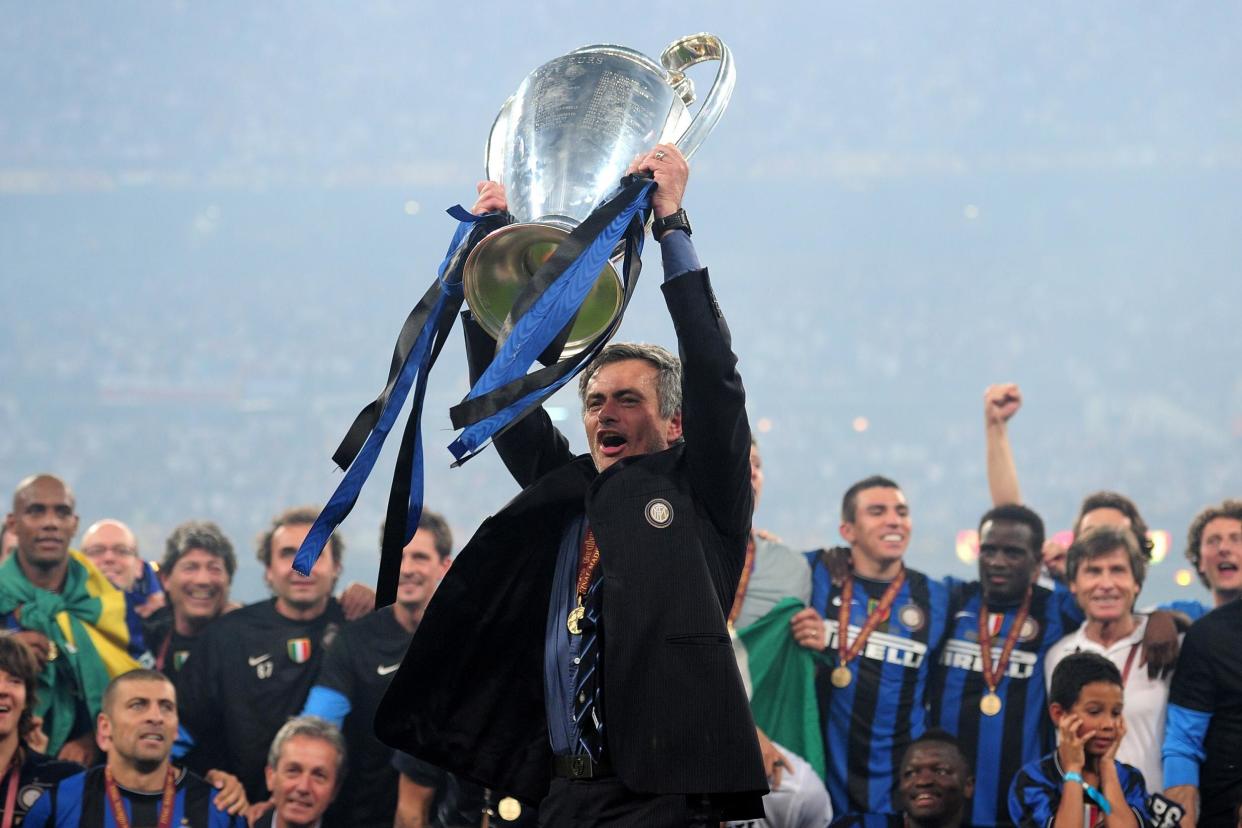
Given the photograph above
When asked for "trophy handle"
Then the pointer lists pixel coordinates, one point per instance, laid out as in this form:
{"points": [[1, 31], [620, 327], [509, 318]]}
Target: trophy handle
{"points": [[681, 55]]}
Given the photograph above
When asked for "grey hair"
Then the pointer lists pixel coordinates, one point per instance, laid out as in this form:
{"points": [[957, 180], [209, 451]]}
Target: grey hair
{"points": [[199, 534], [312, 727], [668, 378]]}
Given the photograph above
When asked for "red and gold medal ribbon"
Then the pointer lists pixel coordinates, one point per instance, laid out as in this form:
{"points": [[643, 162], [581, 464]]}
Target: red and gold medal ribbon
{"points": [[992, 677], [586, 570], [846, 655], [586, 564], [118, 805], [12, 777], [163, 653], [749, 566]]}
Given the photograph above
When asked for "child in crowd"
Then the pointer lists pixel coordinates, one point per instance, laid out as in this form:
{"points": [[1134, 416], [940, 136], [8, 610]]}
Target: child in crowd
{"points": [[1081, 784]]}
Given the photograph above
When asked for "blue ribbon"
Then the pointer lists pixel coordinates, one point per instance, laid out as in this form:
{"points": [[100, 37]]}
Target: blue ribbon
{"points": [[539, 326], [413, 372]]}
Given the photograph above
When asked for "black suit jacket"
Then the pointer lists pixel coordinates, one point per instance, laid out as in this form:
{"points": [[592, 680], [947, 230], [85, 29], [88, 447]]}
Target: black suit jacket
{"points": [[469, 695]]}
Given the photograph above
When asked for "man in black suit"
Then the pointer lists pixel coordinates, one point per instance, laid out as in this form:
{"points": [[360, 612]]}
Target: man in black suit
{"points": [[604, 685]]}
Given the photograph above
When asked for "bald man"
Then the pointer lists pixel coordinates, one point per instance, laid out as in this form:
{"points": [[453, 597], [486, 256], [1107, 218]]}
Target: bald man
{"points": [[113, 548], [44, 580]]}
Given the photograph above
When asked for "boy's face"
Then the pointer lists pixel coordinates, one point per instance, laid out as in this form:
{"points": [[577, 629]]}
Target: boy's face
{"points": [[1098, 708]]}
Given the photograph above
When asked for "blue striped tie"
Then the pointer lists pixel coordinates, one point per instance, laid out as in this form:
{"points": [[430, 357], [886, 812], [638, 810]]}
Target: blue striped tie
{"points": [[588, 689]]}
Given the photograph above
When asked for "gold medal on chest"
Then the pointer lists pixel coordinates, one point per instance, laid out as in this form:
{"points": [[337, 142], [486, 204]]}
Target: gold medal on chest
{"points": [[574, 621]]}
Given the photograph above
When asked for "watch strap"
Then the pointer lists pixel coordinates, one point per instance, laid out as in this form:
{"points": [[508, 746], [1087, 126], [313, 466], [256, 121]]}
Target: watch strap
{"points": [[673, 221]]}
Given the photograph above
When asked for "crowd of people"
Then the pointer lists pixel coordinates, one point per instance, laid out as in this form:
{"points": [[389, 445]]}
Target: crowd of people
{"points": [[572, 665]]}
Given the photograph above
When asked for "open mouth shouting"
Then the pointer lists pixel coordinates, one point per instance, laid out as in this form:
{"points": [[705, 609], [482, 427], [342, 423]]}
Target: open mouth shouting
{"points": [[611, 443]]}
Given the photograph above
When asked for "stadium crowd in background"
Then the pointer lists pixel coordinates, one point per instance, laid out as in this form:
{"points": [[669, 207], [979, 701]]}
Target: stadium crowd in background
{"points": [[873, 694], [941, 706]]}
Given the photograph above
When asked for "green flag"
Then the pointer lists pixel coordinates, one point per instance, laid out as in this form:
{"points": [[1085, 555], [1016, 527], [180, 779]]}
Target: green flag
{"points": [[780, 676]]}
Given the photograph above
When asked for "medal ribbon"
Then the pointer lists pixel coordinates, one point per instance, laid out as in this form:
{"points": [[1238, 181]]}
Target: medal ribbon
{"points": [[163, 653], [586, 564], [990, 676], [118, 805], [13, 775], [1125, 674], [748, 567], [844, 655]]}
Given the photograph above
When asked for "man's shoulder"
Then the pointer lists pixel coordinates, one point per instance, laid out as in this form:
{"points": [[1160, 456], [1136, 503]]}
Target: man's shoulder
{"points": [[1071, 642], [41, 773], [771, 547], [1224, 618], [191, 782], [200, 796], [937, 590], [1041, 772], [960, 590], [43, 768], [259, 612], [379, 624]]}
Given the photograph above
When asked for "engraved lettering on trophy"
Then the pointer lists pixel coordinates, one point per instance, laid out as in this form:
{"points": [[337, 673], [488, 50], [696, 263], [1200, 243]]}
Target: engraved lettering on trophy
{"points": [[554, 105], [619, 103]]}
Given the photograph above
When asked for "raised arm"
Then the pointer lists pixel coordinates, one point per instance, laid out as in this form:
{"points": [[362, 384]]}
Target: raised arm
{"points": [[1000, 402], [715, 427]]}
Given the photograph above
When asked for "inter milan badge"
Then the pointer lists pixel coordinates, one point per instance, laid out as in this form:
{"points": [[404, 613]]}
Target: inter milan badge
{"points": [[299, 650], [659, 513], [912, 617], [1029, 631]]}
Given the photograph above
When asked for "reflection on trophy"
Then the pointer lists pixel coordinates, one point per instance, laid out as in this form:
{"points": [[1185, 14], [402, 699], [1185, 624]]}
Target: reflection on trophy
{"points": [[561, 144]]}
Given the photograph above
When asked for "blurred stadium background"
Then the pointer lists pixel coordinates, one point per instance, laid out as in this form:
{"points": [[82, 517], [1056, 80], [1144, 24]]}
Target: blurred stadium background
{"points": [[215, 216]]}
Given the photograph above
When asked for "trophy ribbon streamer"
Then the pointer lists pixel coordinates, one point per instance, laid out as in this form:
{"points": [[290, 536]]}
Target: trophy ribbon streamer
{"points": [[506, 392], [418, 345]]}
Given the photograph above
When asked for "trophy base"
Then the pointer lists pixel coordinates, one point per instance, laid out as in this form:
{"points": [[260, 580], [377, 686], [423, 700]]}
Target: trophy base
{"points": [[502, 264]]}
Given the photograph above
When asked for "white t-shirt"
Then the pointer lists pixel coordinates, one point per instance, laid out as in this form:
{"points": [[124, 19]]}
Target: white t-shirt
{"points": [[801, 801], [1146, 699]]}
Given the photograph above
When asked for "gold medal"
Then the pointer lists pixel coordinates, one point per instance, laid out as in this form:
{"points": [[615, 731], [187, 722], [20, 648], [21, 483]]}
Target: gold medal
{"points": [[841, 676], [990, 704], [574, 620], [509, 809], [586, 570]]}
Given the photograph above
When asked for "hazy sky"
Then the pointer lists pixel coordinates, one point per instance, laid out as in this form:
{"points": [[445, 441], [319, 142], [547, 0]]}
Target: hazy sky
{"points": [[213, 218]]}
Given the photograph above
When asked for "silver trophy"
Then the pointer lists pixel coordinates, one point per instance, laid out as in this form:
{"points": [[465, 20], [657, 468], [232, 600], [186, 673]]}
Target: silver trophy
{"points": [[561, 144]]}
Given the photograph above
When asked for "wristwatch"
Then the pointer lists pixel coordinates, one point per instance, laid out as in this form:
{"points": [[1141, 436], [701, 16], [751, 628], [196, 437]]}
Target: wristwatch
{"points": [[673, 221]]}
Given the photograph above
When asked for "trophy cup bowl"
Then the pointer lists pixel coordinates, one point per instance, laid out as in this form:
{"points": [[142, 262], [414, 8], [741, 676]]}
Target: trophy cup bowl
{"points": [[562, 143]]}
